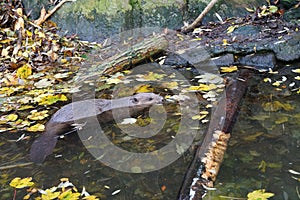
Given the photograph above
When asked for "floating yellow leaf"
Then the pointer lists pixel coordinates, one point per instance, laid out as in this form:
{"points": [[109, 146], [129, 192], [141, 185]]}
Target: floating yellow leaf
{"points": [[69, 195], [229, 69], [170, 85], [25, 107], [11, 117], [35, 115], [230, 29], [250, 9], [204, 112], [49, 194], [282, 120], [296, 70], [225, 42], [276, 83], [24, 71], [253, 136], [272, 72], [62, 75], [21, 123], [297, 78], [143, 88], [267, 80], [198, 117], [91, 197], [262, 166], [259, 195], [202, 87], [36, 127], [6, 91], [21, 183], [49, 99], [64, 179], [276, 105], [151, 76]]}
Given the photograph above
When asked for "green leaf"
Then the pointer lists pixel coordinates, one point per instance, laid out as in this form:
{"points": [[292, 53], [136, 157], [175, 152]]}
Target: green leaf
{"points": [[273, 9]]}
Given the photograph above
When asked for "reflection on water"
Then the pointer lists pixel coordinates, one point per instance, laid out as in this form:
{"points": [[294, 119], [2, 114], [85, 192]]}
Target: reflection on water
{"points": [[264, 146]]}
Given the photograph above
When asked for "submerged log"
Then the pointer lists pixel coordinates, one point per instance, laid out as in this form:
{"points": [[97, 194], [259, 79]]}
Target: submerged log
{"points": [[209, 155]]}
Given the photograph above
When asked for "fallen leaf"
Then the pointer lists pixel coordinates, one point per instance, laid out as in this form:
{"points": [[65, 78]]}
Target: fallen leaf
{"points": [[210, 78], [276, 105], [35, 115], [282, 120], [21, 183], [151, 76], [230, 29], [170, 85], [143, 88], [62, 75], [229, 69], [49, 194], [12, 117], [24, 71], [202, 87], [259, 195], [43, 83], [49, 99], [129, 121], [36, 128]]}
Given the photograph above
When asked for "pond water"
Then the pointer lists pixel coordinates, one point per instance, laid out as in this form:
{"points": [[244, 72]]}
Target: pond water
{"points": [[263, 148]]}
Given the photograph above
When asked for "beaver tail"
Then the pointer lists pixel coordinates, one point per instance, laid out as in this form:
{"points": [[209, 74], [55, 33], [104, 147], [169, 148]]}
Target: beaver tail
{"points": [[42, 147]]}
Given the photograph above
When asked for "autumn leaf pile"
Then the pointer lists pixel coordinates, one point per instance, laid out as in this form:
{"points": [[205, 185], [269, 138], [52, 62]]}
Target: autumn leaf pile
{"points": [[36, 65]]}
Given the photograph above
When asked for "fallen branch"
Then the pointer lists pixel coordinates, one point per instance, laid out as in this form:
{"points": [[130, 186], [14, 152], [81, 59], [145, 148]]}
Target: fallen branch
{"points": [[130, 55], [15, 165], [209, 155], [45, 15], [197, 21]]}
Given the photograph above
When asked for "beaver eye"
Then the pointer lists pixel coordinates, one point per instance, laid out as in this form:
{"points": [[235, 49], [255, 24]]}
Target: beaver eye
{"points": [[150, 99], [135, 100]]}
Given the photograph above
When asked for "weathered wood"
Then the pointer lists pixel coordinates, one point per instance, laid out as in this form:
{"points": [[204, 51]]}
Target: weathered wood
{"points": [[98, 65], [209, 155]]}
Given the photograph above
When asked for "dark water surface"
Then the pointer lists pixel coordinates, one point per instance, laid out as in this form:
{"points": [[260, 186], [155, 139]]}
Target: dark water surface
{"points": [[263, 147]]}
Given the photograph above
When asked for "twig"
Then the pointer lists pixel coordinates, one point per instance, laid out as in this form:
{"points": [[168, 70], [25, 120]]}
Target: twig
{"points": [[15, 194], [15, 165], [44, 15], [197, 21]]}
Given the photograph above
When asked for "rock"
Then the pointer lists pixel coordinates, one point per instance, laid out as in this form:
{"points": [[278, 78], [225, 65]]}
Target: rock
{"points": [[259, 61]]}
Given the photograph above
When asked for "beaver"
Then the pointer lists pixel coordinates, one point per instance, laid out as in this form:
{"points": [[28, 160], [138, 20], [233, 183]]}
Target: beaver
{"points": [[105, 110]]}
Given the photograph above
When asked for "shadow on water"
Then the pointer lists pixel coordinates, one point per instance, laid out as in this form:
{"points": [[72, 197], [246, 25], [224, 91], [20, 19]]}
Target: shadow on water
{"points": [[264, 146]]}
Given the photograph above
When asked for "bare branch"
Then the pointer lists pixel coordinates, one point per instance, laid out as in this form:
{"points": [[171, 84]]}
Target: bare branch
{"points": [[45, 15], [199, 18]]}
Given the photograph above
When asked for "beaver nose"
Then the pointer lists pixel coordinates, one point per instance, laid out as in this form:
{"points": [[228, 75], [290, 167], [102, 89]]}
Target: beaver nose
{"points": [[161, 100]]}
